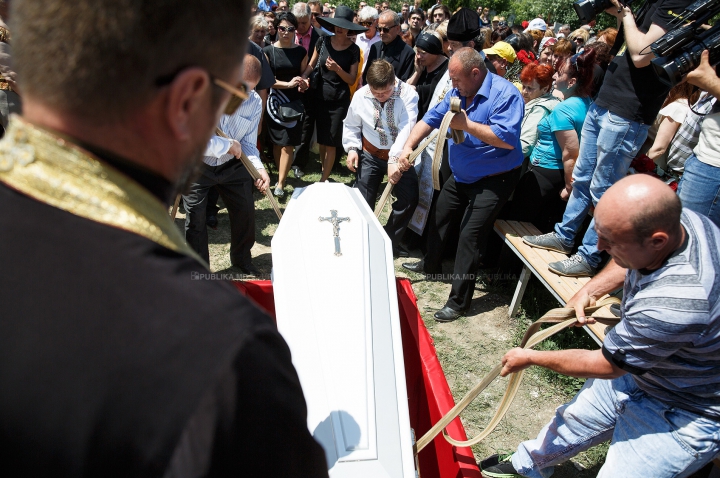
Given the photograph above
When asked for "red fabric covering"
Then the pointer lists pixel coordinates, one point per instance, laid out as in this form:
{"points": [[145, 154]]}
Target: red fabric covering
{"points": [[429, 396]]}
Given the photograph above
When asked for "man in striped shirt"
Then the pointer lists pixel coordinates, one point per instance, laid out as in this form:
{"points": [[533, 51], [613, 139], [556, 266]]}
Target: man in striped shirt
{"points": [[222, 168], [654, 386]]}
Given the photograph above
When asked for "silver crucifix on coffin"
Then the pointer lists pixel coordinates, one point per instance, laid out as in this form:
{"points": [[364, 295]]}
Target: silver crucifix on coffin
{"points": [[335, 221]]}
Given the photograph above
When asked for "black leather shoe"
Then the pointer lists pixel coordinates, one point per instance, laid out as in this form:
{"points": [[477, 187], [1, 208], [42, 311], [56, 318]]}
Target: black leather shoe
{"points": [[417, 267], [249, 269], [446, 314]]}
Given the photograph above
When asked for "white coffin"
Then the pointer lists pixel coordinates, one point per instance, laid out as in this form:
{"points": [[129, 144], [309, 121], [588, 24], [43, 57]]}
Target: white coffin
{"points": [[339, 315]]}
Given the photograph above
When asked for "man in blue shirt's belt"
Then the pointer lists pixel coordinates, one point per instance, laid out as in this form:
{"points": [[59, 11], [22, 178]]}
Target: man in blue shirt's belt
{"points": [[485, 168]]}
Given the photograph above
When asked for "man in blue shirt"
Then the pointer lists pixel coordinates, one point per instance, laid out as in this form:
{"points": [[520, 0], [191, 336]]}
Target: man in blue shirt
{"points": [[485, 168]]}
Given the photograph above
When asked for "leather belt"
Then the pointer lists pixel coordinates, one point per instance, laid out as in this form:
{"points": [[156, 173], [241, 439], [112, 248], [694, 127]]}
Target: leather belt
{"points": [[383, 154]]}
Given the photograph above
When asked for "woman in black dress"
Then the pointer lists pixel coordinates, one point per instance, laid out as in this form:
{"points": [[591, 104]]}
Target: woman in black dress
{"points": [[287, 61], [338, 59]]}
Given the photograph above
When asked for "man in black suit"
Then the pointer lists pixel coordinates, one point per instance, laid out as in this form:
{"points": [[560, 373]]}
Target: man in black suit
{"points": [[391, 47]]}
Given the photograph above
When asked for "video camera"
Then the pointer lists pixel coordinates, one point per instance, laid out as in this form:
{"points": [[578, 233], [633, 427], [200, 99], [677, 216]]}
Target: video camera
{"points": [[587, 10], [679, 50]]}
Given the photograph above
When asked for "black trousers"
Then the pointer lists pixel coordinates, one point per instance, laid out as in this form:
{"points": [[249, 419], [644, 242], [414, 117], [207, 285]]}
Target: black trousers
{"points": [[481, 201], [370, 173], [537, 198], [234, 184]]}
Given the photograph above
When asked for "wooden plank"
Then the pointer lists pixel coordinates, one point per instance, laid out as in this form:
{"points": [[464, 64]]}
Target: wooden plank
{"points": [[573, 283], [536, 261]]}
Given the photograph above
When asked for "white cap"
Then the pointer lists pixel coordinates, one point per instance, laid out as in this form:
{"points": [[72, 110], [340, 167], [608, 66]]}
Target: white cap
{"points": [[537, 24]]}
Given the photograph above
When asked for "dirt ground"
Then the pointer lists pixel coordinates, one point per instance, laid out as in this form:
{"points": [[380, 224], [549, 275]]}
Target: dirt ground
{"points": [[467, 348]]}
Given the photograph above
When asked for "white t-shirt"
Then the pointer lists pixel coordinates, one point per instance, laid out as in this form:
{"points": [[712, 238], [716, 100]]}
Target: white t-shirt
{"points": [[708, 147]]}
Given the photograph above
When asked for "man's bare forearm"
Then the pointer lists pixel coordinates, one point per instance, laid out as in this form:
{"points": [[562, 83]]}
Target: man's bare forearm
{"points": [[575, 363], [610, 279]]}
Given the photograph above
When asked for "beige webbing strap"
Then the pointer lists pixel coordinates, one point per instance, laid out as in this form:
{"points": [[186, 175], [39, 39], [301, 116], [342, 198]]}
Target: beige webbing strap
{"points": [[562, 318], [411, 159], [175, 207], [458, 137], [255, 175]]}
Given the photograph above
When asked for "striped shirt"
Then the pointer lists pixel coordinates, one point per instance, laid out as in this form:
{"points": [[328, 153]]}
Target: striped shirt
{"points": [[241, 126], [669, 338], [688, 134]]}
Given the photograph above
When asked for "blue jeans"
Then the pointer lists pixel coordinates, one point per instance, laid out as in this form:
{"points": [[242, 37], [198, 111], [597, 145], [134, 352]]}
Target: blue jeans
{"points": [[608, 144], [649, 437], [699, 189]]}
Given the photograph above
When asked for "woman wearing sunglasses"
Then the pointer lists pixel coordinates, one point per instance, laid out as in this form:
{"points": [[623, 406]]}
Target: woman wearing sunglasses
{"points": [[287, 60], [337, 58]]}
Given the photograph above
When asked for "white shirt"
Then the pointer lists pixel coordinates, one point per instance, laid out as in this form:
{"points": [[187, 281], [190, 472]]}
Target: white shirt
{"points": [[241, 126], [364, 43], [708, 147], [384, 126]]}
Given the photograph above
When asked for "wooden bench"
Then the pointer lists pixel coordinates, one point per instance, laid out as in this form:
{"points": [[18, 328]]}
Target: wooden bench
{"points": [[536, 262]]}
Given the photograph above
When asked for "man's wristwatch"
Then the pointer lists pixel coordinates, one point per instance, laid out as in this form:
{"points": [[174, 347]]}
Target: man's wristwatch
{"points": [[393, 160], [353, 148]]}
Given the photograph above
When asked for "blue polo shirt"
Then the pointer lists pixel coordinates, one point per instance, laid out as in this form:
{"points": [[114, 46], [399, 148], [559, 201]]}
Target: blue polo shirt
{"points": [[498, 104]]}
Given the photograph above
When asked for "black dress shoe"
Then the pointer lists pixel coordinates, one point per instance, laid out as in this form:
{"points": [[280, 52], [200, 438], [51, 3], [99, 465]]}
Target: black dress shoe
{"points": [[418, 267], [446, 314], [249, 269]]}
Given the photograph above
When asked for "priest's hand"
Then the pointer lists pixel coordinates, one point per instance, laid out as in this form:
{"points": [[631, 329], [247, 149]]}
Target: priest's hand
{"points": [[235, 149], [394, 173], [264, 182], [352, 160]]}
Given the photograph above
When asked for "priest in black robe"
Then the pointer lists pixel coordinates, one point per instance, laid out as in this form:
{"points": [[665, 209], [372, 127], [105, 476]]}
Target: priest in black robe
{"points": [[120, 354]]}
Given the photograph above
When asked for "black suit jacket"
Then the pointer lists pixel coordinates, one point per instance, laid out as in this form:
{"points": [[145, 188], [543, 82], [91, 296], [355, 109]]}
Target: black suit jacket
{"points": [[400, 55]]}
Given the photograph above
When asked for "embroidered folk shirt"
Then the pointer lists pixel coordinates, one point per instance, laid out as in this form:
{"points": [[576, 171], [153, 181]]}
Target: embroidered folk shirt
{"points": [[384, 126]]}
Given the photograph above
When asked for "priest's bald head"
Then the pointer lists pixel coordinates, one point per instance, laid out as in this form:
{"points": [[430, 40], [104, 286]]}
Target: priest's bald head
{"points": [[134, 77], [638, 222]]}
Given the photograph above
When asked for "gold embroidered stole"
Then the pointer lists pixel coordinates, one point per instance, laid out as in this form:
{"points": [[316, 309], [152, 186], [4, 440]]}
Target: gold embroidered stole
{"points": [[56, 172]]}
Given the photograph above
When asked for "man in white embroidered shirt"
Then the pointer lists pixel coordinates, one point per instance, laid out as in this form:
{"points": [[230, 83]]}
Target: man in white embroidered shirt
{"points": [[223, 168], [381, 116]]}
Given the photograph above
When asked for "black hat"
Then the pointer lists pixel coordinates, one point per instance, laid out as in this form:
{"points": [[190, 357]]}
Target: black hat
{"points": [[464, 25], [343, 18]]}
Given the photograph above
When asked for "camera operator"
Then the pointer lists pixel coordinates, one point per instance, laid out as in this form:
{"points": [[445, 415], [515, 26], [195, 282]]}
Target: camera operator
{"points": [[700, 183], [615, 128]]}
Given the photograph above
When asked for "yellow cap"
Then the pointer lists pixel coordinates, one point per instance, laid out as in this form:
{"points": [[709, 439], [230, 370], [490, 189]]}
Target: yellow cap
{"points": [[503, 50]]}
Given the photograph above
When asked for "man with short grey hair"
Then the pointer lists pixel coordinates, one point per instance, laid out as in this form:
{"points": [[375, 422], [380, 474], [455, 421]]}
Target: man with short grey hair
{"points": [[392, 48], [565, 30], [132, 359]]}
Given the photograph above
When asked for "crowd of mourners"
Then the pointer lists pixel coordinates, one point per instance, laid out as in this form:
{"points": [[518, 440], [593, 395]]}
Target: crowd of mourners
{"points": [[315, 61]]}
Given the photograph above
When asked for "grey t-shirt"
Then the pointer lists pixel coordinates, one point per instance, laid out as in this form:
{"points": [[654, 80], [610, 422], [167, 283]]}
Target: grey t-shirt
{"points": [[669, 337]]}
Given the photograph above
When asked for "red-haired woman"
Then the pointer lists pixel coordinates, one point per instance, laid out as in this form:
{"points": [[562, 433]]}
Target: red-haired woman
{"points": [[542, 191], [537, 82]]}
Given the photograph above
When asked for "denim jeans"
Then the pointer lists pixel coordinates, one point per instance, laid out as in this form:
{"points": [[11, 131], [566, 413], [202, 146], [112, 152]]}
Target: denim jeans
{"points": [[608, 144], [649, 437], [699, 189]]}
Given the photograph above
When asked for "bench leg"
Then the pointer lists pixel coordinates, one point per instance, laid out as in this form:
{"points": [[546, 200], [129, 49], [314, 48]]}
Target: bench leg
{"points": [[520, 290]]}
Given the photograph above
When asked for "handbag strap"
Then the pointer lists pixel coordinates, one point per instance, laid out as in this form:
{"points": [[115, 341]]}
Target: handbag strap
{"points": [[322, 45]]}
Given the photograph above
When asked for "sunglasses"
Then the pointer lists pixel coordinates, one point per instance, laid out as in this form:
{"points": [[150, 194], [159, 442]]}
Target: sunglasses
{"points": [[286, 29], [366, 24], [239, 93], [579, 40], [385, 29]]}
